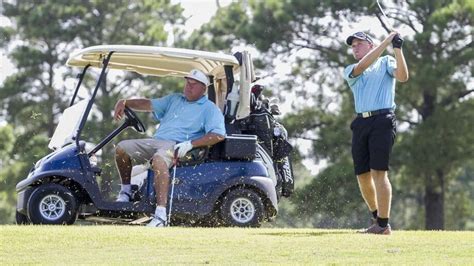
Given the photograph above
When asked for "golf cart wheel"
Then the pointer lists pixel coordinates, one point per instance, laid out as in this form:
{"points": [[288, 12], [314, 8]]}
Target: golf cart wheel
{"points": [[52, 204], [243, 208], [21, 218]]}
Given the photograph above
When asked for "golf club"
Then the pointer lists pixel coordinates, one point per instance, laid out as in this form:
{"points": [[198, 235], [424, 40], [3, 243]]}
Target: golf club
{"points": [[175, 162], [388, 28]]}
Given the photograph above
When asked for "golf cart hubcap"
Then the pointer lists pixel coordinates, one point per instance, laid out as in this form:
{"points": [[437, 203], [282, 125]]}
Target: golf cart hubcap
{"points": [[242, 210], [52, 207]]}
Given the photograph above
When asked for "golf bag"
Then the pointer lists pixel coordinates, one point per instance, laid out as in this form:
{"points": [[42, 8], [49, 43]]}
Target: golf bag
{"points": [[273, 137]]}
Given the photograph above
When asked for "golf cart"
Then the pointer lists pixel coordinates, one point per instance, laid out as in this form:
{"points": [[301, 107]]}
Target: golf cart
{"points": [[237, 182]]}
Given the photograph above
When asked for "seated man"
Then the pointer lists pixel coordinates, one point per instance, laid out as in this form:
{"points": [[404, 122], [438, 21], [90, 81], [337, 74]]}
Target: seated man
{"points": [[186, 120]]}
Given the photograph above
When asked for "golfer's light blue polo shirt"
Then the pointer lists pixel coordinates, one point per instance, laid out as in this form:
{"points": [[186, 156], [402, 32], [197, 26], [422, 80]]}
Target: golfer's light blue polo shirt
{"points": [[374, 89], [181, 120]]}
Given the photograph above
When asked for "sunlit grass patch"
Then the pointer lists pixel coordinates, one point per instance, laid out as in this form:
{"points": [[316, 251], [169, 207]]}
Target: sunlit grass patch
{"points": [[177, 245]]}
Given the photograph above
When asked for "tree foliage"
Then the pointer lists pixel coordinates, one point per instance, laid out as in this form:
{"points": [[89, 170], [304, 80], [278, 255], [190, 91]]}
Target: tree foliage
{"points": [[42, 37]]}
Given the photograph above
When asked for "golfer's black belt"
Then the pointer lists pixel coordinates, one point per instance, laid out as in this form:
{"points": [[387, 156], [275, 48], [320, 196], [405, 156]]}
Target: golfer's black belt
{"points": [[376, 112]]}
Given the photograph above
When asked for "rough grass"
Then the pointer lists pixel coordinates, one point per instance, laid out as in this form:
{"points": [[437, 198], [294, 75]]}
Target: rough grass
{"points": [[130, 245]]}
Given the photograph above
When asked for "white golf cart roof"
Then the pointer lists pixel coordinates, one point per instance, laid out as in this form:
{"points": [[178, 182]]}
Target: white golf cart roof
{"points": [[154, 61], [175, 62]]}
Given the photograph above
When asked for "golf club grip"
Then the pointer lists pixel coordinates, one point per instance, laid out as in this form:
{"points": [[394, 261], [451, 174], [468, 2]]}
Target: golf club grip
{"points": [[175, 157]]}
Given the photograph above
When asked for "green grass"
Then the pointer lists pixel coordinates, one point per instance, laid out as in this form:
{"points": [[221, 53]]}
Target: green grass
{"points": [[130, 245]]}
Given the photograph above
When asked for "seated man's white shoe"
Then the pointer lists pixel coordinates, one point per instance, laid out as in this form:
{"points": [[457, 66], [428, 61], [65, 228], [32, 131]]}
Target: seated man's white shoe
{"points": [[123, 197], [159, 219], [125, 194], [157, 222]]}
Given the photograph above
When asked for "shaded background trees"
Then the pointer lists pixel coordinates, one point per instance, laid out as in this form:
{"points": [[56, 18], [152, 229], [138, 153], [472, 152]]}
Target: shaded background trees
{"points": [[43, 36], [432, 159]]}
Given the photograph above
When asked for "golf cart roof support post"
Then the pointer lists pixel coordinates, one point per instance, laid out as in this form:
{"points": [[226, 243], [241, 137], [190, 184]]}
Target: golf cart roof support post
{"points": [[211, 90], [230, 78], [108, 138], [81, 77], [105, 63]]}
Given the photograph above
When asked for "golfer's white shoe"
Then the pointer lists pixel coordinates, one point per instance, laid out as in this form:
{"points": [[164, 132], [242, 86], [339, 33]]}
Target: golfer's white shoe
{"points": [[157, 222], [123, 197]]}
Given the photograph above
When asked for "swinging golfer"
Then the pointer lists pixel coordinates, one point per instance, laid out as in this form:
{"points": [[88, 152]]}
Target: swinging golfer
{"points": [[372, 81], [186, 120]]}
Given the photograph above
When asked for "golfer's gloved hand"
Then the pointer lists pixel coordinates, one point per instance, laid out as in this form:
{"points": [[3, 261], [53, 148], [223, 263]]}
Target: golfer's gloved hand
{"points": [[183, 148], [397, 41]]}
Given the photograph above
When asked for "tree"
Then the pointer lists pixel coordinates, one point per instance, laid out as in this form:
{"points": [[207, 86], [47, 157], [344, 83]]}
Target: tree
{"points": [[122, 22], [435, 106], [39, 43]]}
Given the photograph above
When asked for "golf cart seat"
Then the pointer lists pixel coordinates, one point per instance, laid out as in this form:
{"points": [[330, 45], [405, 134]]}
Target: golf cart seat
{"points": [[193, 157]]}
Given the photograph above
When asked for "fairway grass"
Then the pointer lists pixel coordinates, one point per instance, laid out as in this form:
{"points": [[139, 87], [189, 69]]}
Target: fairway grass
{"points": [[131, 245]]}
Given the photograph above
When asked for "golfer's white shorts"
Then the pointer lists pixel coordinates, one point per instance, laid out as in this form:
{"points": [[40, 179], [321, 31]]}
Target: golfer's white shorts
{"points": [[143, 150]]}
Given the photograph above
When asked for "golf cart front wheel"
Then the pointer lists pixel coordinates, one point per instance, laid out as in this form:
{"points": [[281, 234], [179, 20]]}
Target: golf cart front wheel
{"points": [[242, 208], [52, 204]]}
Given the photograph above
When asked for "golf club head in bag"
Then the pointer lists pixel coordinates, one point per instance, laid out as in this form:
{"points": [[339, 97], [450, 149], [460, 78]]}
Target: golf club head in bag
{"points": [[255, 97], [274, 108]]}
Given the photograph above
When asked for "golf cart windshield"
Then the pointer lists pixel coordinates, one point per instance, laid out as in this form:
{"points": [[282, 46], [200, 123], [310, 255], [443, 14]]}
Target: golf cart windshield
{"points": [[68, 125]]}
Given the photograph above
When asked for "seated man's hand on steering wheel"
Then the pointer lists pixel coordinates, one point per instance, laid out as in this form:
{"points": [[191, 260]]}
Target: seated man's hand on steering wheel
{"points": [[119, 109], [183, 148]]}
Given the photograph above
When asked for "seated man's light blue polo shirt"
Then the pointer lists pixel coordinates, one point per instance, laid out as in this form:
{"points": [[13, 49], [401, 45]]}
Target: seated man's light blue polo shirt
{"points": [[374, 89], [181, 120]]}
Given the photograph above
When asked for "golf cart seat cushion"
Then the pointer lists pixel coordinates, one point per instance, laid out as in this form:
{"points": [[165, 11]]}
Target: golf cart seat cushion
{"points": [[194, 156]]}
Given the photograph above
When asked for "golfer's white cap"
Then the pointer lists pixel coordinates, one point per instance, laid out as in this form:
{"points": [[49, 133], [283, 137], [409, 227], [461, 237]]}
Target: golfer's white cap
{"points": [[199, 76]]}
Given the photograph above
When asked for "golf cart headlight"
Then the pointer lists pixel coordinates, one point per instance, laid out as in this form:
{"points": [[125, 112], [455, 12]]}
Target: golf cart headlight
{"points": [[38, 163]]}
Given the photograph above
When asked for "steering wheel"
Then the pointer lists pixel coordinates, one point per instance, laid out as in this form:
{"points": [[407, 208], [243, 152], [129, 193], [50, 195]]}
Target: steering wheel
{"points": [[134, 121]]}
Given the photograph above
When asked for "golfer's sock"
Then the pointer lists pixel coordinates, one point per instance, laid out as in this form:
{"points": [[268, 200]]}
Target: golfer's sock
{"points": [[160, 212], [383, 222], [374, 214], [126, 188]]}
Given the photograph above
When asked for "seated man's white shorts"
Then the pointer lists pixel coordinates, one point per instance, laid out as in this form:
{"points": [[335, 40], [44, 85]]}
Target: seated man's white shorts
{"points": [[143, 150]]}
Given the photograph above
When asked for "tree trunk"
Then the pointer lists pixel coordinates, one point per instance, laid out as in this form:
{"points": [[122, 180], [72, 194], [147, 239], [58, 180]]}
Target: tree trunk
{"points": [[434, 204]]}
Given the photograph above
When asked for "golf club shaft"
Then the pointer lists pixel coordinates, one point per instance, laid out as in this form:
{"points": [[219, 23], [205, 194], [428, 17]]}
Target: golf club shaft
{"points": [[388, 28], [172, 194], [175, 162]]}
